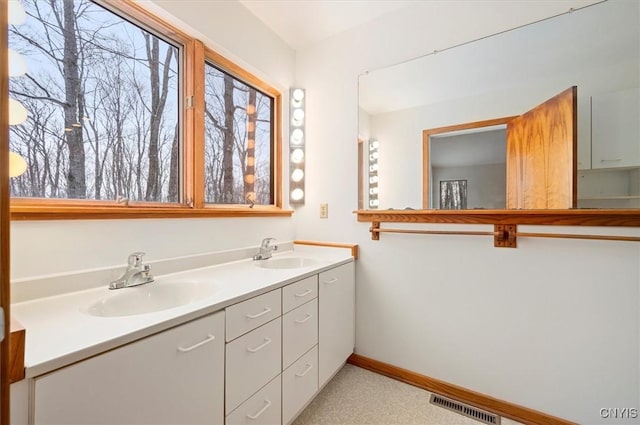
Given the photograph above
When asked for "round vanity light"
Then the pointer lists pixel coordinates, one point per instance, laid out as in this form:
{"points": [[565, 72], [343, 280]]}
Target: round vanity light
{"points": [[297, 194], [373, 191], [17, 15], [298, 114], [374, 145], [373, 179], [298, 95], [373, 156], [374, 203], [297, 155], [373, 168], [17, 65], [297, 175], [17, 164], [296, 136], [17, 113]]}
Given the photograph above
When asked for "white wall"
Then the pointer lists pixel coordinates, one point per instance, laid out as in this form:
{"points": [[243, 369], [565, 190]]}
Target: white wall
{"points": [[485, 184], [47, 247], [551, 325]]}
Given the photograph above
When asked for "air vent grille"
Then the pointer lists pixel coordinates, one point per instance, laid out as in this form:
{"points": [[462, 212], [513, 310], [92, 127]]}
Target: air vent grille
{"points": [[464, 409]]}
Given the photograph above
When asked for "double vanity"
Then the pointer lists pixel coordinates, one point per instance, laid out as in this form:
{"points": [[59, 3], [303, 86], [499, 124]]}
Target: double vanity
{"points": [[239, 342]]}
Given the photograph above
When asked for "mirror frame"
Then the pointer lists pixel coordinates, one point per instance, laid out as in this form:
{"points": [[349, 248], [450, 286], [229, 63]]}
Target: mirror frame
{"points": [[426, 135]]}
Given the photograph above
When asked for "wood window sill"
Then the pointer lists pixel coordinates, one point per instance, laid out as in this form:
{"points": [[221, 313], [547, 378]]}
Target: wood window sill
{"points": [[77, 212]]}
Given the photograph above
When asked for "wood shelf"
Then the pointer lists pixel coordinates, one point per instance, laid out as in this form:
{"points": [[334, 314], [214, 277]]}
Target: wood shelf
{"points": [[573, 217], [608, 197]]}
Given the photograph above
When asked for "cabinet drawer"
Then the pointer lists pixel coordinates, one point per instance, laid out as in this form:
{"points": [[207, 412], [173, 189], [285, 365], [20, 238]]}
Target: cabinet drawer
{"points": [[263, 408], [252, 361], [299, 384], [249, 314], [299, 332], [298, 293]]}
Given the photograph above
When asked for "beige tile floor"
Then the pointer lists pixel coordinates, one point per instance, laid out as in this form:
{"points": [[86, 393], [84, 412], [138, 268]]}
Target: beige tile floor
{"points": [[357, 396]]}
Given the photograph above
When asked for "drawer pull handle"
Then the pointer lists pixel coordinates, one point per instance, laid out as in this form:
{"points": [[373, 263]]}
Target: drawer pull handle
{"points": [[308, 368], [193, 347], [262, 313], [332, 280], [303, 294], [611, 160], [266, 342], [307, 317], [267, 404]]}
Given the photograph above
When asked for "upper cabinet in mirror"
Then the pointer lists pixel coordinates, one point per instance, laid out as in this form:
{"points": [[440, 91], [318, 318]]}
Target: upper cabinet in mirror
{"points": [[595, 49]]}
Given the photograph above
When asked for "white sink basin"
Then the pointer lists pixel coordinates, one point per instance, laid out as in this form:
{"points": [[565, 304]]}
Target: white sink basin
{"points": [[287, 263], [151, 297]]}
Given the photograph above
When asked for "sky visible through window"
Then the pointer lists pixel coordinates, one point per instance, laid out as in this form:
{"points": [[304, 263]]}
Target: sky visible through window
{"points": [[102, 98]]}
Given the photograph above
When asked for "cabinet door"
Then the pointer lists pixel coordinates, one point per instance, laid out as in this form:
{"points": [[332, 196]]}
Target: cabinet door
{"points": [[336, 315], [176, 376], [615, 129], [541, 161]]}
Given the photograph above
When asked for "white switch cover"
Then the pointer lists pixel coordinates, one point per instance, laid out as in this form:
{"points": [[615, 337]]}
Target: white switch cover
{"points": [[324, 210]]}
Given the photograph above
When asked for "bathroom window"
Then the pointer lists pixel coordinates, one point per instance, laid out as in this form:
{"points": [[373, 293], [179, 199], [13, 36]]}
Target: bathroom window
{"points": [[102, 98], [238, 142], [118, 126]]}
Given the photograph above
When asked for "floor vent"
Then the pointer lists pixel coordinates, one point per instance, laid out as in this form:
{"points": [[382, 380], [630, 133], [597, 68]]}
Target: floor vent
{"points": [[464, 409]]}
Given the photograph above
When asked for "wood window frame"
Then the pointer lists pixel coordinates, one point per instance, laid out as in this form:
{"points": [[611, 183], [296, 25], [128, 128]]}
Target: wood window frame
{"points": [[194, 54], [225, 65]]}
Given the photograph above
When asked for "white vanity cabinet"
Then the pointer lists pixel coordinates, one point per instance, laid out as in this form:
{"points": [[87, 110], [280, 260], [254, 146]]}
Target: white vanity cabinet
{"points": [[176, 376], [336, 337], [615, 129], [258, 362]]}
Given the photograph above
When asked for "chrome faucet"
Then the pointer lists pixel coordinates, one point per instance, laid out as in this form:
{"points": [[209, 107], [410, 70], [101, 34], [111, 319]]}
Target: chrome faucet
{"points": [[266, 249], [136, 274]]}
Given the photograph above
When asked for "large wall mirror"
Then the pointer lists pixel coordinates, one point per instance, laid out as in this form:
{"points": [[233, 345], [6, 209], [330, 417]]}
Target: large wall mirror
{"points": [[433, 131]]}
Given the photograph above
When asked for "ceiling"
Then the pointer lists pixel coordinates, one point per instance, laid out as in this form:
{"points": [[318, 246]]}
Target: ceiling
{"points": [[301, 23]]}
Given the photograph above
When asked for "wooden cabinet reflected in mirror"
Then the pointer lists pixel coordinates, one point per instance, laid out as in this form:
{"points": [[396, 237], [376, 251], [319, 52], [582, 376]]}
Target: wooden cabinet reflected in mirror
{"points": [[521, 162]]}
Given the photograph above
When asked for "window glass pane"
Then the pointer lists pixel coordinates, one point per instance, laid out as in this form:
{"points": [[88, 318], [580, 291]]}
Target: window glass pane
{"points": [[238, 141], [102, 98]]}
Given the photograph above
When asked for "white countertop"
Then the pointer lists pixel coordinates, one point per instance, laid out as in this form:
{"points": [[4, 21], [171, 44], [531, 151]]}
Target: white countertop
{"points": [[60, 332]]}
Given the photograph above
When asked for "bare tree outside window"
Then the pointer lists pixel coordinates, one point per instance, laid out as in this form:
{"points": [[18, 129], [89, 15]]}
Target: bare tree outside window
{"points": [[102, 96], [238, 141]]}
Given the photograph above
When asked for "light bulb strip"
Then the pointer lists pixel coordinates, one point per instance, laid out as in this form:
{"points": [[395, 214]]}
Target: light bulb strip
{"points": [[297, 141], [373, 173]]}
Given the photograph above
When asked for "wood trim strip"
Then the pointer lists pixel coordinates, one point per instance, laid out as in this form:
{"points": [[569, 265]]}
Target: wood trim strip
{"points": [[17, 342], [83, 213], [500, 407], [352, 246], [194, 148], [5, 298], [575, 217]]}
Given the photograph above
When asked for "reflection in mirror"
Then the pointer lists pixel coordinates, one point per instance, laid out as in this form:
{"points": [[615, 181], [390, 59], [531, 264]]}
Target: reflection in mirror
{"points": [[596, 48], [478, 158]]}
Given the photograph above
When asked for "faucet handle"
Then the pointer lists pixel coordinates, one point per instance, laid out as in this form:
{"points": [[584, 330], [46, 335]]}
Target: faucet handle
{"points": [[135, 259], [267, 241]]}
